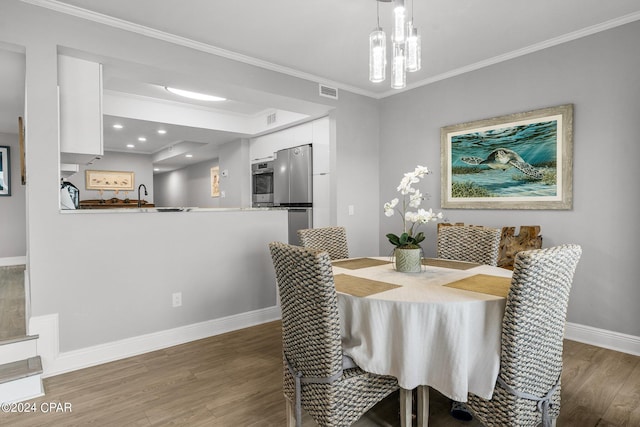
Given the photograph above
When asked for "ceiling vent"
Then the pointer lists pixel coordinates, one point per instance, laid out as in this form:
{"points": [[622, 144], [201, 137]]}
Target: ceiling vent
{"points": [[271, 118], [328, 92]]}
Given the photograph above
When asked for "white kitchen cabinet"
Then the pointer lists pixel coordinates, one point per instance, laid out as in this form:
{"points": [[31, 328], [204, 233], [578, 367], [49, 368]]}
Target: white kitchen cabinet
{"points": [[264, 147], [80, 83], [68, 169]]}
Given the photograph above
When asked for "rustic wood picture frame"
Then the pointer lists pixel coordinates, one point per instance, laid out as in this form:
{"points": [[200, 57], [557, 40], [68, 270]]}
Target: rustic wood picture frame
{"points": [[517, 161]]}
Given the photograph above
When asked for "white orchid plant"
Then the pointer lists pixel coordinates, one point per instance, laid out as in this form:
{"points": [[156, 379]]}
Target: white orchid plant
{"points": [[411, 220]]}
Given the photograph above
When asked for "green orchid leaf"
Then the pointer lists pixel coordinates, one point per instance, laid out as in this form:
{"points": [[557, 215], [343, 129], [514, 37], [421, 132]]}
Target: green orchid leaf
{"points": [[393, 239], [404, 239]]}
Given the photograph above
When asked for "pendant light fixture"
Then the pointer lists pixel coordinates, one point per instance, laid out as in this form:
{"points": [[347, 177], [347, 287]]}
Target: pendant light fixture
{"points": [[377, 52], [413, 47], [399, 19], [406, 49], [398, 70]]}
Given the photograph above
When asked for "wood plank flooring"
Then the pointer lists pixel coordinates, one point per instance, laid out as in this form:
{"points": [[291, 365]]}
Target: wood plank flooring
{"points": [[235, 380], [12, 321]]}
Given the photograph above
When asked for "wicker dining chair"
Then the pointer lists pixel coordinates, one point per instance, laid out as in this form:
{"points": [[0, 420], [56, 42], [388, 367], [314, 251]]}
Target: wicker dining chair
{"points": [[527, 391], [316, 378], [469, 243], [330, 239]]}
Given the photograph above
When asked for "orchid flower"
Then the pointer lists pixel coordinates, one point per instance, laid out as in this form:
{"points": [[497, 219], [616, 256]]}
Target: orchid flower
{"points": [[411, 220]]}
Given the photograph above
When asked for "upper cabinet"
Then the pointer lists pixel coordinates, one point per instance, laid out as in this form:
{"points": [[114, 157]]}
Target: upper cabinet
{"points": [[80, 83], [264, 147]]}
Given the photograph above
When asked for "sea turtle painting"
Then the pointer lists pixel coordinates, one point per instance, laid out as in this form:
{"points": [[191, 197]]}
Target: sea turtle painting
{"points": [[503, 158]]}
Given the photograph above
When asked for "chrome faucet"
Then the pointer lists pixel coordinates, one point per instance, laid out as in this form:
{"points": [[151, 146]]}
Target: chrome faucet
{"points": [[145, 193]]}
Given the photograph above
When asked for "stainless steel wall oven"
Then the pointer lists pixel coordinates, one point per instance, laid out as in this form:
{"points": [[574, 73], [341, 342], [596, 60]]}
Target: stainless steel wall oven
{"points": [[262, 184]]}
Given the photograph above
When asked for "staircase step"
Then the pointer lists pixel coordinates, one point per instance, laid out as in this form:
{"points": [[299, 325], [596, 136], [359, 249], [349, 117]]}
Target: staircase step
{"points": [[20, 369], [15, 349], [21, 380]]}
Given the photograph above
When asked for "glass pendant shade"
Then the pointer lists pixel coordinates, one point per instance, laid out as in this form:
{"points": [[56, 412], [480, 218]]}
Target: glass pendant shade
{"points": [[377, 55], [398, 72], [414, 54], [399, 21]]}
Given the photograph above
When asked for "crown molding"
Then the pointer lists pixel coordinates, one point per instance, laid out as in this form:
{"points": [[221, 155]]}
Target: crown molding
{"points": [[214, 50], [186, 42], [584, 32]]}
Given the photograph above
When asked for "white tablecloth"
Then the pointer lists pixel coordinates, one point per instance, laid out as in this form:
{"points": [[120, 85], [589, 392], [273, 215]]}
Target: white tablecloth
{"points": [[423, 333]]}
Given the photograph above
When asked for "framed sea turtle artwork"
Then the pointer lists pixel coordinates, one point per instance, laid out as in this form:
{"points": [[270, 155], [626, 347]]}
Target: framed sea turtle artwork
{"points": [[517, 161]]}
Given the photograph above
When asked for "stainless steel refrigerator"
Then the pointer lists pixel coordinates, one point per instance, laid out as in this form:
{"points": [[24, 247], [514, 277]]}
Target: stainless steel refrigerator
{"points": [[293, 187]]}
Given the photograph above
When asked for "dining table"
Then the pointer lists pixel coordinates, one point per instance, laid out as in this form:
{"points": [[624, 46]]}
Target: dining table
{"points": [[439, 328]]}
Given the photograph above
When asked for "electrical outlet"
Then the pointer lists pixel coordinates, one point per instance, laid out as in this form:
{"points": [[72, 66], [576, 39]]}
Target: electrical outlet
{"points": [[351, 210], [176, 299]]}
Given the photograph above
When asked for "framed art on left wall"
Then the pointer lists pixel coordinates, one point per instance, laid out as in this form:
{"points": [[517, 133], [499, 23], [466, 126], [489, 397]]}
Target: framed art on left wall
{"points": [[5, 172]]}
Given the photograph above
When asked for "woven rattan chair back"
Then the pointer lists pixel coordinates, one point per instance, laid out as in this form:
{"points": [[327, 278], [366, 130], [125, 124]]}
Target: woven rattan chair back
{"points": [[532, 338], [330, 239], [311, 342], [308, 300], [469, 243]]}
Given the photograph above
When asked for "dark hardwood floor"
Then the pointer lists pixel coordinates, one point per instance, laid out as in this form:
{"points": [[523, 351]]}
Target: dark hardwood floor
{"points": [[235, 380]]}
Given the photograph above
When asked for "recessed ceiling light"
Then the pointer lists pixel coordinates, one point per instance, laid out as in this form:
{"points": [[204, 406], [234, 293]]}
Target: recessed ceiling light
{"points": [[130, 146], [188, 155], [194, 95], [142, 139], [118, 126], [162, 131], [156, 169]]}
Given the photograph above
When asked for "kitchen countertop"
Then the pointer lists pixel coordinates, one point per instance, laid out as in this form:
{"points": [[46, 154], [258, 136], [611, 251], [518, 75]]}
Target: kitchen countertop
{"points": [[165, 210]]}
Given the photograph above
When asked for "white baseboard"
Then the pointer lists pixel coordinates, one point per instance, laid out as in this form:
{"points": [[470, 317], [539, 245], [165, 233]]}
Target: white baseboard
{"points": [[602, 338], [55, 363], [16, 260]]}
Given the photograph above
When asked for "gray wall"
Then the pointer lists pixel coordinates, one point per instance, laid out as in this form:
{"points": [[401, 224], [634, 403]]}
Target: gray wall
{"points": [[354, 158], [234, 160], [190, 186], [13, 225], [599, 75]]}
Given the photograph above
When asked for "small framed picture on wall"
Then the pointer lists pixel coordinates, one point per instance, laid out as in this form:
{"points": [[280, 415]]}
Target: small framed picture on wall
{"points": [[5, 171], [215, 181]]}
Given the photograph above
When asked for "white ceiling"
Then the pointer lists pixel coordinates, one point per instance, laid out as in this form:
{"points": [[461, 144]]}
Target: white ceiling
{"points": [[327, 40], [321, 40]]}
